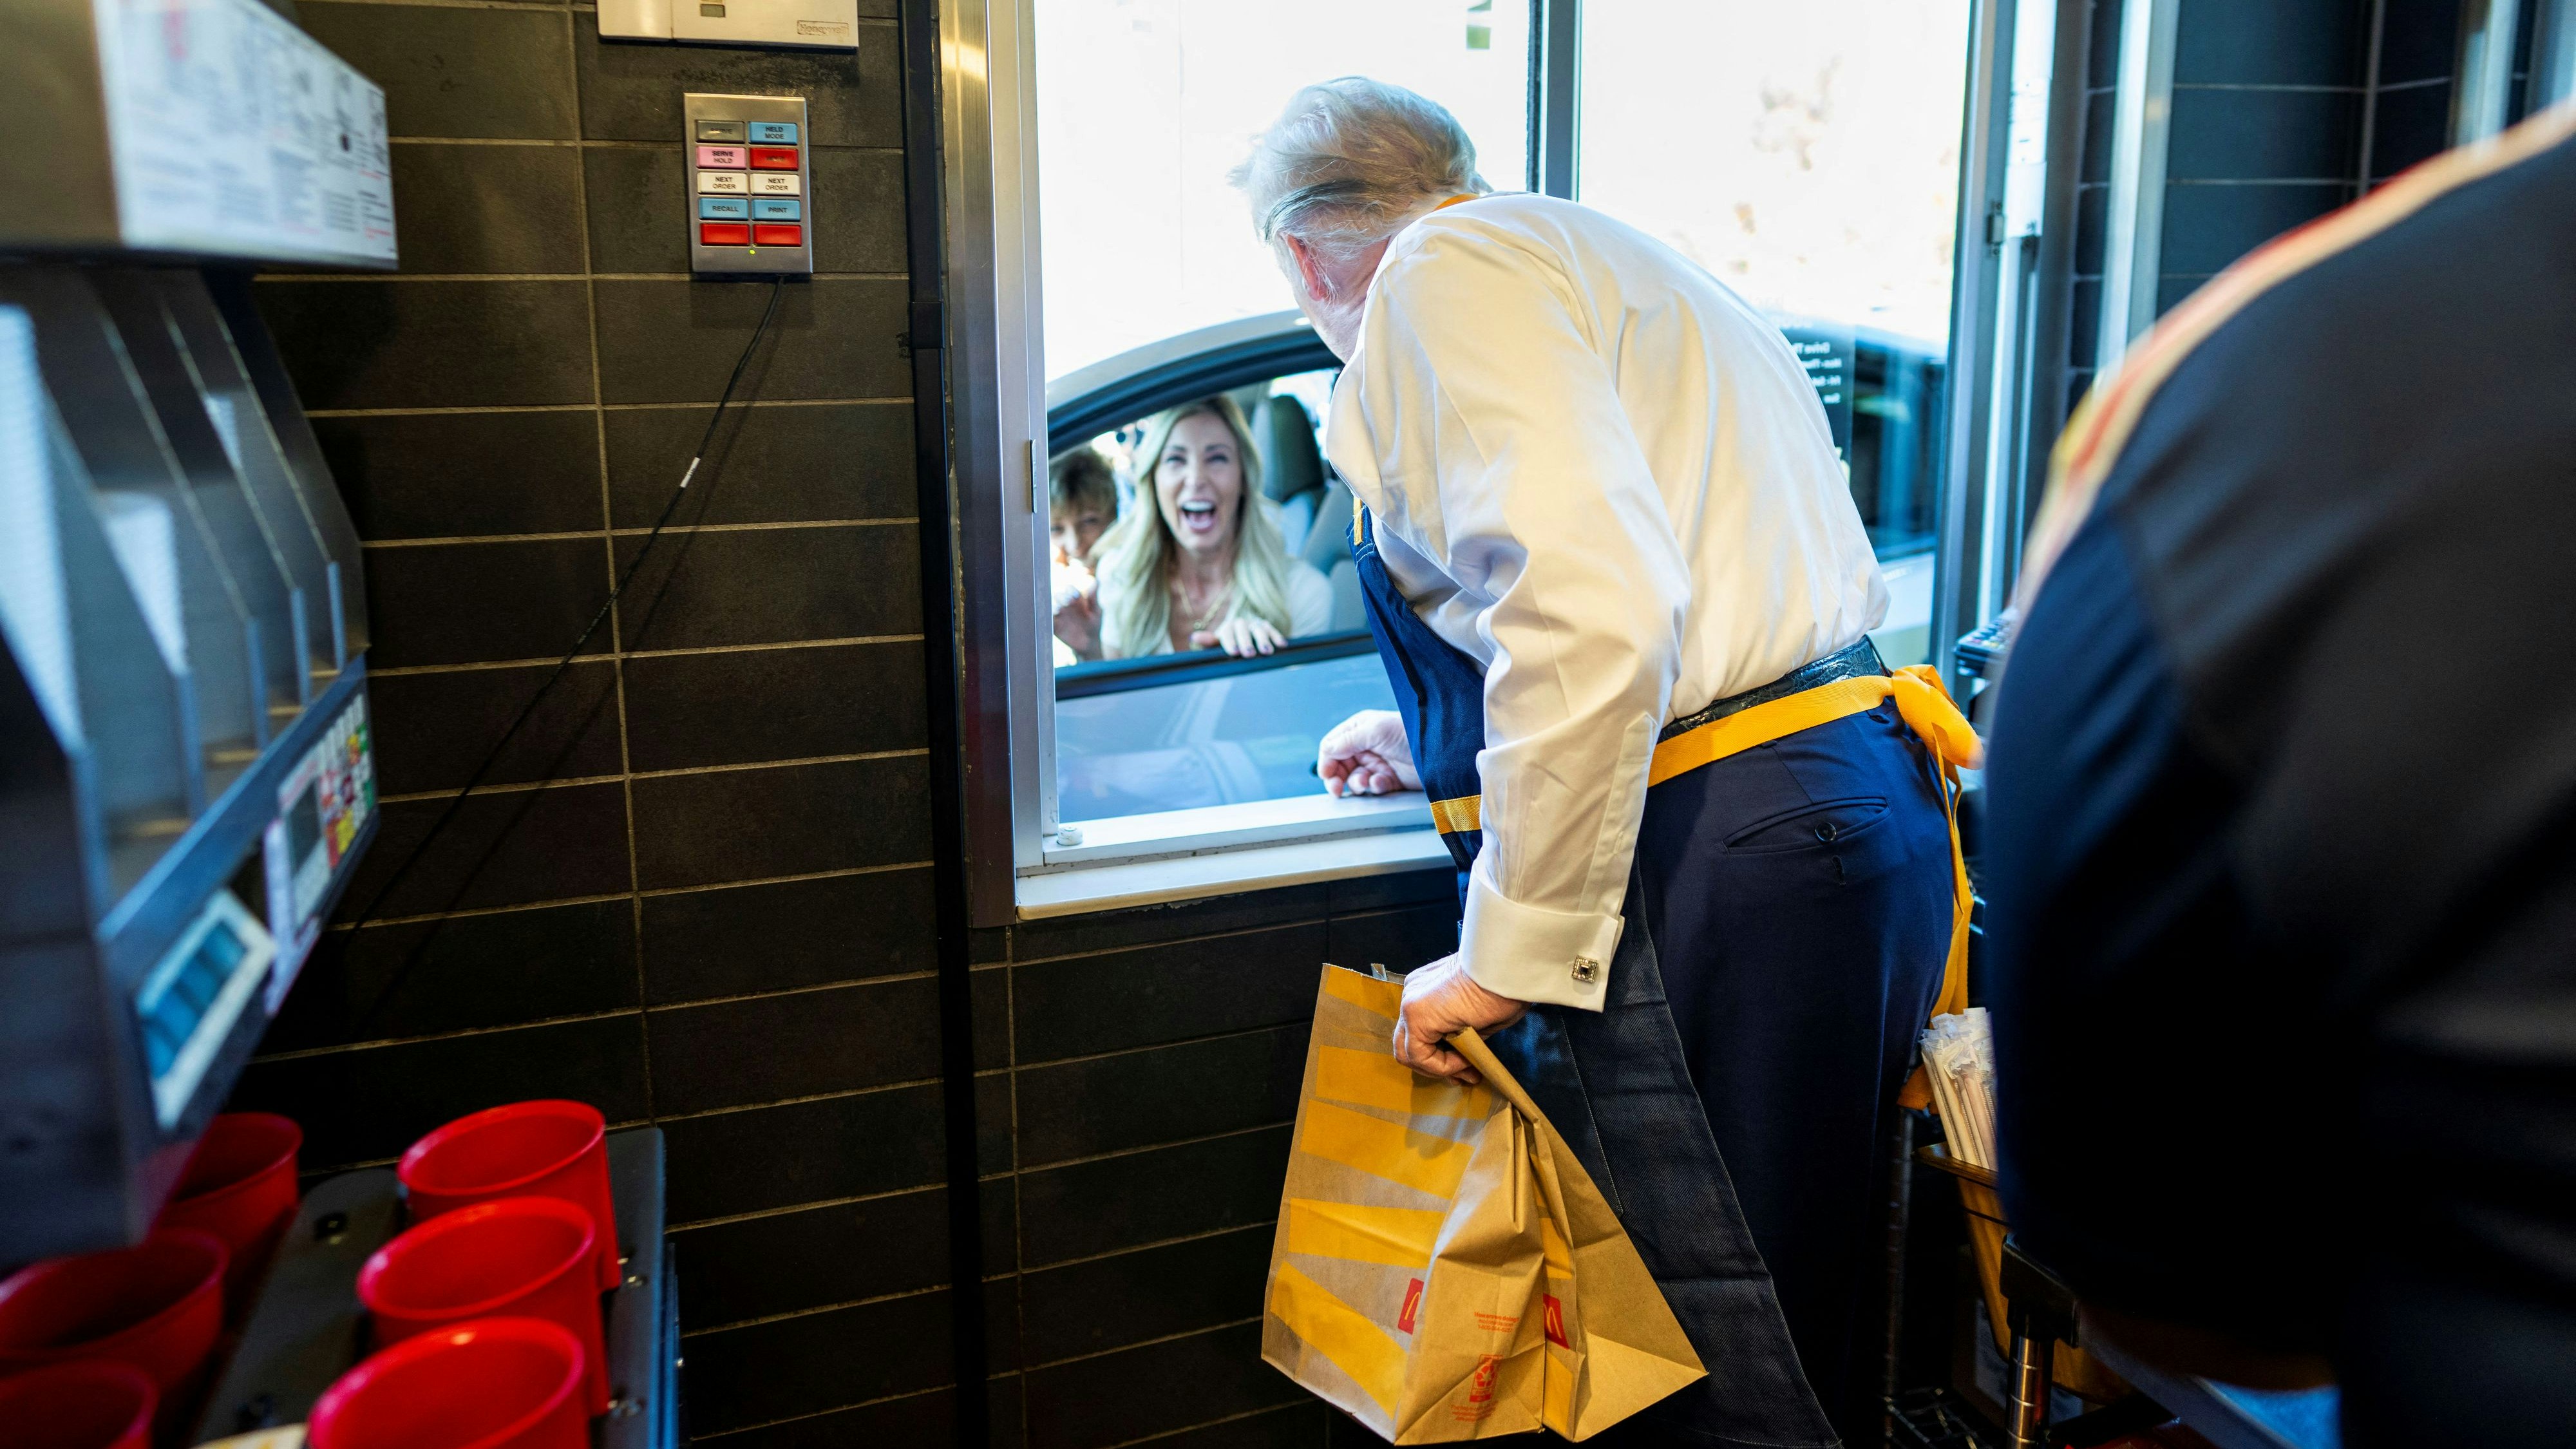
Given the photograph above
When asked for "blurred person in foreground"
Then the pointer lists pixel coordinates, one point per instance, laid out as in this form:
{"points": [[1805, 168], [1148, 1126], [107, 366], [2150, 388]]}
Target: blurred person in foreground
{"points": [[1623, 597], [1198, 563], [2281, 842]]}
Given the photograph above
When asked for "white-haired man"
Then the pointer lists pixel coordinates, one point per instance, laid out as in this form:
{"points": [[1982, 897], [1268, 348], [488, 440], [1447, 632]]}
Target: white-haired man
{"points": [[1623, 595]]}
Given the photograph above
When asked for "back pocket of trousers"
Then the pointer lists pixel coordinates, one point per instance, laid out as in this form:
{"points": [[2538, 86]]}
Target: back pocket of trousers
{"points": [[1813, 828]]}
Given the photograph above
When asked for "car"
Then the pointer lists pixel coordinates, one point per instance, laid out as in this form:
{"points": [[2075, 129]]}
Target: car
{"points": [[1187, 731]]}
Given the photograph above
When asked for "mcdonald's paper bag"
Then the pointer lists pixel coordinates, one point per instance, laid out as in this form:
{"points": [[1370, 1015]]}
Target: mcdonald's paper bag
{"points": [[1444, 1268]]}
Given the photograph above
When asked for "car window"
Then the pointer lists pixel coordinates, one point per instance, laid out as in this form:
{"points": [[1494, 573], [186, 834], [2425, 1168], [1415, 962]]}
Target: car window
{"points": [[1175, 729]]}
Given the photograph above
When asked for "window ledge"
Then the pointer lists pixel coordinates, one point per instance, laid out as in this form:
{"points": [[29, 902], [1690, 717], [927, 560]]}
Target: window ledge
{"points": [[1109, 887], [1232, 827]]}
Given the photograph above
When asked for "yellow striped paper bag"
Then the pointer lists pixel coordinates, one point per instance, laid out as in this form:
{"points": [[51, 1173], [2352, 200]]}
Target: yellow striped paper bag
{"points": [[1443, 1268]]}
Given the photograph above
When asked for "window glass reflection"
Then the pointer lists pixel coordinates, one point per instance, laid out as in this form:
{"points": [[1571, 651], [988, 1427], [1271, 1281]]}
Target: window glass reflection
{"points": [[1808, 156], [1145, 105]]}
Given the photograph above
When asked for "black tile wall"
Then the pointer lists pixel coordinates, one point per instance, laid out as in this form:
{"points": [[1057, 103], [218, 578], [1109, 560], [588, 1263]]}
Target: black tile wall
{"points": [[434, 729], [364, 343], [671, 340], [715, 915], [2413, 125], [2245, 134], [2266, 128], [490, 208], [771, 585], [1109, 1204], [782, 935], [462, 973], [744, 705], [807, 464], [1131, 1298], [465, 475], [366, 1104], [1126, 1395], [706, 828], [506, 599], [1164, 1094], [2419, 41], [764, 1159], [2271, 42], [455, 73]]}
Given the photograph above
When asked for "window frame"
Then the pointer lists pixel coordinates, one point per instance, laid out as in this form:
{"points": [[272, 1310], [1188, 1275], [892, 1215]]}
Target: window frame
{"points": [[988, 328]]}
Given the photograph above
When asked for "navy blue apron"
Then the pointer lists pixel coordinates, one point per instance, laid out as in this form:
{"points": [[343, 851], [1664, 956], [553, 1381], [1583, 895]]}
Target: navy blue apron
{"points": [[1787, 917]]}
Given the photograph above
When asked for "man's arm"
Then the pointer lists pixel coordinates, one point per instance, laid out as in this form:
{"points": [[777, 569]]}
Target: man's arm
{"points": [[1531, 491]]}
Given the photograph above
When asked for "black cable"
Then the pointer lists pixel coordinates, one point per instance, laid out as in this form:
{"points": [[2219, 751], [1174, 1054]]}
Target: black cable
{"points": [[526, 712]]}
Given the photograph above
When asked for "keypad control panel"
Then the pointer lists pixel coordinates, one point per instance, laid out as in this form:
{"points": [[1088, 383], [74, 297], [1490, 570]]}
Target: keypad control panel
{"points": [[750, 183]]}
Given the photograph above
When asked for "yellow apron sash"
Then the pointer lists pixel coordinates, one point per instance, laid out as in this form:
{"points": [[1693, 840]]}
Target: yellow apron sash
{"points": [[1927, 710]]}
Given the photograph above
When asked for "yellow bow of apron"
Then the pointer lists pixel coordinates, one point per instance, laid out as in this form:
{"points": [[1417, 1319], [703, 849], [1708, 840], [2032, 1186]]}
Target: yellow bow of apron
{"points": [[1935, 720], [1926, 708]]}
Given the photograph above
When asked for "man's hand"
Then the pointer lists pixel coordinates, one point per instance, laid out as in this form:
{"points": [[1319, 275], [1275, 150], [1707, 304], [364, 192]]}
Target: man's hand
{"points": [[1440, 1000], [1367, 754]]}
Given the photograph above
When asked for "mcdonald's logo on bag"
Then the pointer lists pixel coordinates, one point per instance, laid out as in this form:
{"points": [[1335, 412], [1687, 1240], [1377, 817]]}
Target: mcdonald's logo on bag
{"points": [[1412, 1305], [1556, 1322]]}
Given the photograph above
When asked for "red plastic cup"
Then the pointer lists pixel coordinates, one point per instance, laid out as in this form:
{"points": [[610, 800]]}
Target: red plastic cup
{"points": [[520, 1257], [240, 1186], [157, 1307], [495, 1383], [526, 1149], [95, 1404]]}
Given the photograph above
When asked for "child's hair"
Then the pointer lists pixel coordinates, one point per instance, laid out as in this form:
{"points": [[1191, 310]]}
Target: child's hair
{"points": [[1083, 477]]}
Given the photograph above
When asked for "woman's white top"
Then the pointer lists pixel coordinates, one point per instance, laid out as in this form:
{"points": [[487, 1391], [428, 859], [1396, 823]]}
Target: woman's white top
{"points": [[1310, 605], [1310, 600], [1603, 476]]}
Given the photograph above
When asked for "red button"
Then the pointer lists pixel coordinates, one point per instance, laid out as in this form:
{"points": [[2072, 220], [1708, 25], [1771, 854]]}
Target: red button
{"points": [[723, 234], [778, 234], [773, 158]]}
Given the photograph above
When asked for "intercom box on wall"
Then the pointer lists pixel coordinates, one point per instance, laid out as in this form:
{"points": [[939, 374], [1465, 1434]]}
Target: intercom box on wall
{"points": [[750, 185], [822, 24]]}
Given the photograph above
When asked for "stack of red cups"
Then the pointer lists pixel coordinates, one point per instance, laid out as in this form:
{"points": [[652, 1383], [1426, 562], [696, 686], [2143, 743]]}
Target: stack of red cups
{"points": [[109, 1350], [485, 1314]]}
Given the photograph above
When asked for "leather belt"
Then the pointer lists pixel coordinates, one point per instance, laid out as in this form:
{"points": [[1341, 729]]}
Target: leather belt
{"points": [[1846, 663]]}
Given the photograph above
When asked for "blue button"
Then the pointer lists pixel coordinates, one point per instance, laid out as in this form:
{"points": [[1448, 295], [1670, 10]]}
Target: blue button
{"points": [[777, 208], [724, 208], [774, 133]]}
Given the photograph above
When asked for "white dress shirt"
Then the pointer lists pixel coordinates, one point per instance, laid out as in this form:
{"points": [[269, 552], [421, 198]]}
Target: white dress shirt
{"points": [[1599, 473]]}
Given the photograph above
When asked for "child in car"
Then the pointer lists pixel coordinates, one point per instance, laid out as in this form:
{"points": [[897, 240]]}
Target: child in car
{"points": [[1082, 501]]}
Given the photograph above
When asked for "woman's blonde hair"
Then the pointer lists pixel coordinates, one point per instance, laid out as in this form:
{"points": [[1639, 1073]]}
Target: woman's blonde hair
{"points": [[1135, 556]]}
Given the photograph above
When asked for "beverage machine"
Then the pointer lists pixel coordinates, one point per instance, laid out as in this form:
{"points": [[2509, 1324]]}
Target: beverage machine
{"points": [[186, 778]]}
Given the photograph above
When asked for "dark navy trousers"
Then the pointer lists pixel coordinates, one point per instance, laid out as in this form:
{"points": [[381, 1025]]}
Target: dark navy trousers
{"points": [[1787, 921]]}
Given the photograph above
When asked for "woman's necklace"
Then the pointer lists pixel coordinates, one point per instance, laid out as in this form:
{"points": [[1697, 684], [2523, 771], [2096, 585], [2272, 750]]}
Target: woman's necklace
{"points": [[1201, 614]]}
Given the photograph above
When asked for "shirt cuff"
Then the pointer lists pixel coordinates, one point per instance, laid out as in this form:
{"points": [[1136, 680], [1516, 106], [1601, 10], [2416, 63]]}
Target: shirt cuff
{"points": [[1529, 954]]}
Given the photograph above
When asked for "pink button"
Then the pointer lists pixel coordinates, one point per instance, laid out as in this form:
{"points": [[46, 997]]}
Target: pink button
{"points": [[720, 158]]}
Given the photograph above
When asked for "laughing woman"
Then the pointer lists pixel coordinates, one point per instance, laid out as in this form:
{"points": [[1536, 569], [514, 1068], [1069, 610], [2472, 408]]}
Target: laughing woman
{"points": [[1204, 568]]}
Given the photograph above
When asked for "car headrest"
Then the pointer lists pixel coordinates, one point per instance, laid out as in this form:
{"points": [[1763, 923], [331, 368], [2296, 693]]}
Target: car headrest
{"points": [[1286, 437], [1328, 541]]}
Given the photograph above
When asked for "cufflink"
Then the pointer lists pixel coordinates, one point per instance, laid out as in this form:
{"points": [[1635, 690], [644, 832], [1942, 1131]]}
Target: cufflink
{"points": [[1586, 970]]}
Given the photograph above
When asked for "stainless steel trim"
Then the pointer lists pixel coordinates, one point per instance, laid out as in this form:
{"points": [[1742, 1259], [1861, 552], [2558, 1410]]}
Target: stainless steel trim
{"points": [[988, 89], [1959, 560], [1556, 96], [2142, 112], [2553, 54], [2482, 102]]}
